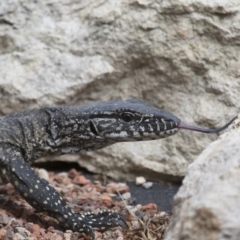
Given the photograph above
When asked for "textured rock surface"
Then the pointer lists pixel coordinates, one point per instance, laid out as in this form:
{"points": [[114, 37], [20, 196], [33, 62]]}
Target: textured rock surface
{"points": [[205, 206], [182, 56]]}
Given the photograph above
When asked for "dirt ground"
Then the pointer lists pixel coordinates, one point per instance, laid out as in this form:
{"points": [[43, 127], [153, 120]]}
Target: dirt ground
{"points": [[19, 221]]}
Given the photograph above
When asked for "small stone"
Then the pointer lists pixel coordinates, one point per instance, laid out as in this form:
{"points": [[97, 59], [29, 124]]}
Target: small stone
{"points": [[98, 235], [123, 189], [117, 188], [140, 180], [29, 227], [112, 195], [4, 218], [67, 235], [35, 229], [2, 233], [150, 206], [105, 197], [126, 195], [42, 173], [120, 238], [22, 231], [135, 225], [139, 214], [108, 202], [81, 180], [162, 214], [18, 236], [111, 188], [59, 237], [67, 181], [147, 185], [63, 174], [9, 234], [121, 184], [73, 173], [99, 187]]}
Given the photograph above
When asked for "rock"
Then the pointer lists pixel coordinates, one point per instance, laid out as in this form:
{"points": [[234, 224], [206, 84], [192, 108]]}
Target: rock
{"points": [[117, 188], [150, 206], [2, 233], [19, 236], [42, 173], [68, 236], [206, 206], [81, 180], [73, 173], [23, 232], [108, 202], [140, 180], [147, 185], [135, 225], [4, 218], [182, 56], [126, 195]]}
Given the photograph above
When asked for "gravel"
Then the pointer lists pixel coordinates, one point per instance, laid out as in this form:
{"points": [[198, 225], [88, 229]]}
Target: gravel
{"points": [[18, 220]]}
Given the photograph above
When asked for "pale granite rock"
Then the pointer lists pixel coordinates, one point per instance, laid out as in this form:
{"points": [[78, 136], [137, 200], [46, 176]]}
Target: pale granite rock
{"points": [[182, 56], [206, 206]]}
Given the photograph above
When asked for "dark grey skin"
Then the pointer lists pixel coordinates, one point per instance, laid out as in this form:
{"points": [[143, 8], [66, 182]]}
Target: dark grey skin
{"points": [[29, 135]]}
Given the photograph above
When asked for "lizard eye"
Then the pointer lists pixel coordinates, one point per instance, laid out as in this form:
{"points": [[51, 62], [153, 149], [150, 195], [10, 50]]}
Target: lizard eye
{"points": [[127, 117]]}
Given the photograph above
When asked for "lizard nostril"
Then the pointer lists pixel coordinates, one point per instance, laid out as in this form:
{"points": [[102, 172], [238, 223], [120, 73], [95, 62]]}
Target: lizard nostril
{"points": [[93, 128]]}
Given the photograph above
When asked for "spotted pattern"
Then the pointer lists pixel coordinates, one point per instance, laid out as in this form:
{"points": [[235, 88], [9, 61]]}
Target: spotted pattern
{"points": [[38, 193], [28, 135]]}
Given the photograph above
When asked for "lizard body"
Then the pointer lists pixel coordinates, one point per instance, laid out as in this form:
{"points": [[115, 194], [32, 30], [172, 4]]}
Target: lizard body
{"points": [[29, 135]]}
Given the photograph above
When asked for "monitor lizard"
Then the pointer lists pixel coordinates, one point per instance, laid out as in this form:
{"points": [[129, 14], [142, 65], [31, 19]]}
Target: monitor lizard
{"points": [[31, 134]]}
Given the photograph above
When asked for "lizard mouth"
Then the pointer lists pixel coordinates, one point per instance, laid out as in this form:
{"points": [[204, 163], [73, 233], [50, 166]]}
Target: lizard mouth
{"points": [[93, 128]]}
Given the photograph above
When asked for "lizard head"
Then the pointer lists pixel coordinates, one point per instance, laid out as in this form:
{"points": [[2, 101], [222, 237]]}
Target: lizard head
{"points": [[130, 120]]}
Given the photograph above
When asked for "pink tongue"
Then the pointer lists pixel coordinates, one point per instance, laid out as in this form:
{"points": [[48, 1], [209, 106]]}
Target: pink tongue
{"points": [[205, 130]]}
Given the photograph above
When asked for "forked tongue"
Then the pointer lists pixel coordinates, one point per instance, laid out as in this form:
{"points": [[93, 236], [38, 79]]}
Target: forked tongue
{"points": [[205, 130]]}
